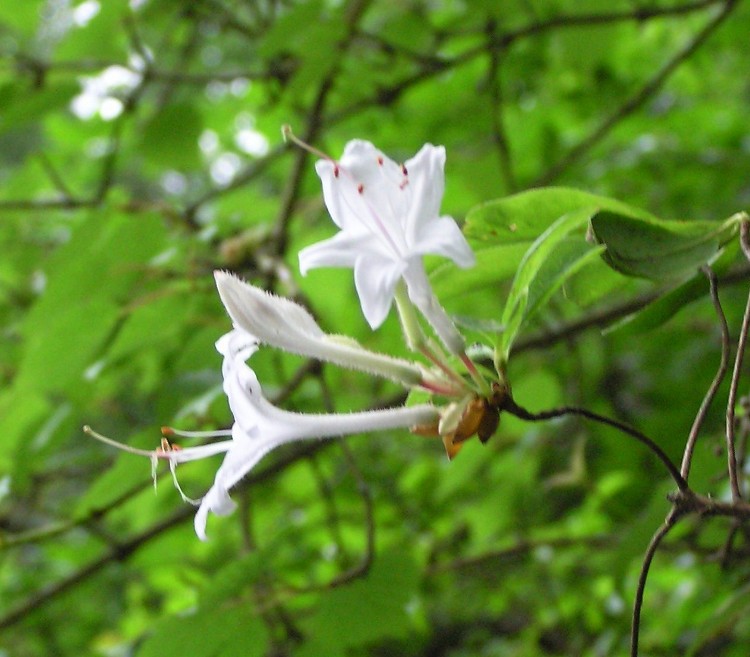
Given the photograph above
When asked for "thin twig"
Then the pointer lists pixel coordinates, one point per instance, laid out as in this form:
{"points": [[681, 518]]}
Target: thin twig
{"points": [[718, 378], [116, 553], [499, 134], [657, 538], [735, 381], [315, 122], [519, 549], [638, 14], [635, 101], [363, 566], [514, 409]]}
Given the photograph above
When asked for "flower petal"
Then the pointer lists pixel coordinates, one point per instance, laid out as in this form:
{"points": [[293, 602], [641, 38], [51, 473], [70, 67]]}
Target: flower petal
{"points": [[341, 250], [442, 236], [426, 185], [242, 458], [376, 282]]}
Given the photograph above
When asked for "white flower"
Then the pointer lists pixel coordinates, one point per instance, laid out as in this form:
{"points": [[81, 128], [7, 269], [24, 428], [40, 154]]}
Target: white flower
{"points": [[389, 219], [260, 427]]}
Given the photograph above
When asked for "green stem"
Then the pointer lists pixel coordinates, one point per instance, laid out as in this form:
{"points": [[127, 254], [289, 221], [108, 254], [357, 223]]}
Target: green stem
{"points": [[415, 338]]}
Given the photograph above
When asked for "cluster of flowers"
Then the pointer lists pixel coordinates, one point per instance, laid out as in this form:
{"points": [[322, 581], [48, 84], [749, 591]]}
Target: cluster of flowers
{"points": [[389, 218]]}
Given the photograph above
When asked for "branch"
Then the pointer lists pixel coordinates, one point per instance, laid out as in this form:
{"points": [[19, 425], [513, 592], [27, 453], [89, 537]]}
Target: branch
{"points": [[519, 549], [118, 553], [657, 538], [499, 134], [718, 378], [635, 101], [514, 409], [736, 373]]}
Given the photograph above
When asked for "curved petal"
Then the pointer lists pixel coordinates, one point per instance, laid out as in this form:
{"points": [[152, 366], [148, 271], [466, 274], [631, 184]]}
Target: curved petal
{"points": [[426, 186], [341, 181], [341, 250], [375, 281], [238, 462], [442, 236]]}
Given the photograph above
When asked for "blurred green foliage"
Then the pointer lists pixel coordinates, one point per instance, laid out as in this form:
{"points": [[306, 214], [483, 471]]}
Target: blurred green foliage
{"points": [[140, 149]]}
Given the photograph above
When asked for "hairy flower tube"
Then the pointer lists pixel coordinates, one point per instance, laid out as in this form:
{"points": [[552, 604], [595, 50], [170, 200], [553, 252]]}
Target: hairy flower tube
{"points": [[389, 218], [284, 324], [260, 427]]}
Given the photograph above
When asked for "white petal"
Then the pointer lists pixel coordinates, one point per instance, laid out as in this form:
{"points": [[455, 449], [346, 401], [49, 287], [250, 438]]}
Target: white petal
{"points": [[238, 462], [426, 185], [442, 236], [341, 250], [376, 281]]}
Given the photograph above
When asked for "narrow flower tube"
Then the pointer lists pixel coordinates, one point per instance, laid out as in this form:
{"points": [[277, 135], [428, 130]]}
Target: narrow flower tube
{"points": [[286, 325]]}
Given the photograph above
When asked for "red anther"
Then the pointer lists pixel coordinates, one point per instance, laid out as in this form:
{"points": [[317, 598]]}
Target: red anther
{"points": [[403, 170], [380, 160], [360, 188], [167, 431], [335, 170]]}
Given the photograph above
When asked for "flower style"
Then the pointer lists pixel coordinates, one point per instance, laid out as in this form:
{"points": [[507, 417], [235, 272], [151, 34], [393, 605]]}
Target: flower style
{"points": [[389, 219], [260, 427]]}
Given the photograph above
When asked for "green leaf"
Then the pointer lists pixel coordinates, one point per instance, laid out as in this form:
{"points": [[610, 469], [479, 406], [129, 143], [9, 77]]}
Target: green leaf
{"points": [[659, 249], [22, 16], [101, 37], [21, 413], [232, 579], [371, 608], [523, 217], [210, 633], [668, 305], [170, 138], [494, 264], [20, 105], [517, 307], [59, 350]]}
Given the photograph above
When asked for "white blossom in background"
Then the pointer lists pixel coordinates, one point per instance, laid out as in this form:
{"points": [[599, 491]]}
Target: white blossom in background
{"points": [[389, 218]]}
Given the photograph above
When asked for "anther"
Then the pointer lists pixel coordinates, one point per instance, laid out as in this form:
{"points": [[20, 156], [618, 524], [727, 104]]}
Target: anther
{"points": [[360, 188], [403, 170], [335, 170], [380, 160]]}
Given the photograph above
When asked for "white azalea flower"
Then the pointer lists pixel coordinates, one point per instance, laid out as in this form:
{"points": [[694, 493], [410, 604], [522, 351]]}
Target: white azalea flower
{"points": [[389, 216], [260, 427]]}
